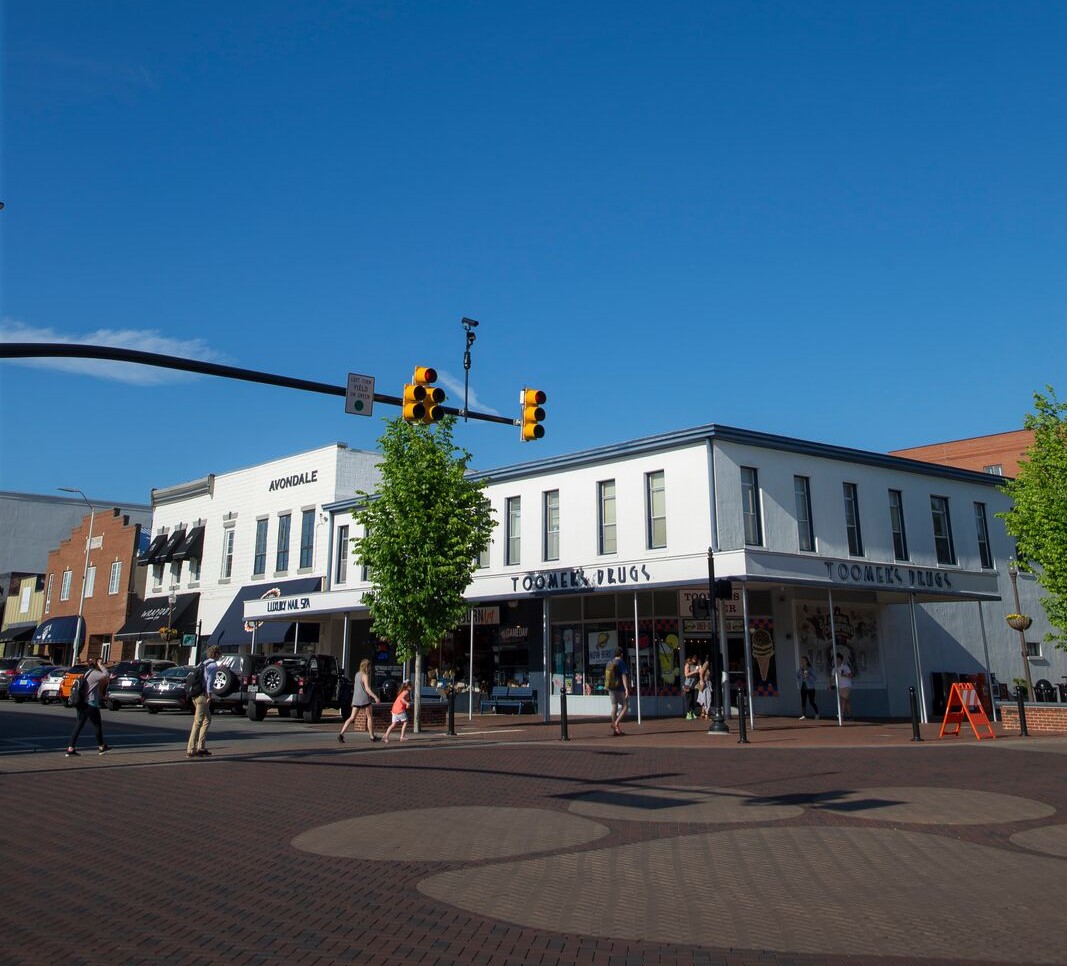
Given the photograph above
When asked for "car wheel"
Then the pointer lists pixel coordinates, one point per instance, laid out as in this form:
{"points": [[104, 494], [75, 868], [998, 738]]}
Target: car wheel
{"points": [[256, 711], [18, 700], [225, 682], [285, 712], [237, 708], [314, 712], [152, 710], [113, 706]]}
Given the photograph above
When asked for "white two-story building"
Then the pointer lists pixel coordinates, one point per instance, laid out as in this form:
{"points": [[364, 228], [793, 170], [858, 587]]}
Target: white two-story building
{"points": [[905, 563]]}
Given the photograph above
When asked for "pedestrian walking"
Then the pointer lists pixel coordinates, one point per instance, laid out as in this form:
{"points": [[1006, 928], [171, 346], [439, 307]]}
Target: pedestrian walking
{"points": [[400, 712], [92, 689], [200, 691], [617, 682], [806, 681], [704, 690], [844, 686], [690, 680], [363, 697]]}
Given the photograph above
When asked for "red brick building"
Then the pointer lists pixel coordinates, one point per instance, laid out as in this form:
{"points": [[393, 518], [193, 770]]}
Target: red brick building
{"points": [[110, 585], [998, 453]]}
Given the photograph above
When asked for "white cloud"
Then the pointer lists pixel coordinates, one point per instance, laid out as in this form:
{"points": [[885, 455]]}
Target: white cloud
{"points": [[454, 388], [143, 340]]}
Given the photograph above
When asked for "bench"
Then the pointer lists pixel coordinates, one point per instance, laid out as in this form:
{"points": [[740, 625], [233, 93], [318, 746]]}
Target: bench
{"points": [[512, 700]]}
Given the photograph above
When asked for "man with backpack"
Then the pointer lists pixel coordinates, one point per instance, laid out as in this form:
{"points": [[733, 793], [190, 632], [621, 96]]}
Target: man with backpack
{"points": [[198, 687], [87, 695]]}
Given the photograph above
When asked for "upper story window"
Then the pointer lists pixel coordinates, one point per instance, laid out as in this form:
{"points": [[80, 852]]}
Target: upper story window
{"points": [[656, 510], [281, 557], [175, 573], [115, 577], [90, 580], [551, 515], [607, 541], [984, 551], [852, 519], [259, 560], [896, 523], [343, 549], [157, 576], [946, 552], [750, 506], [805, 524], [997, 469], [227, 553], [194, 570], [48, 593], [307, 539], [64, 587], [24, 599], [513, 542]]}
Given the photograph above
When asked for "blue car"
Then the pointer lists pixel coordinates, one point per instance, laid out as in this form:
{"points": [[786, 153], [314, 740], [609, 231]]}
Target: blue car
{"points": [[27, 684]]}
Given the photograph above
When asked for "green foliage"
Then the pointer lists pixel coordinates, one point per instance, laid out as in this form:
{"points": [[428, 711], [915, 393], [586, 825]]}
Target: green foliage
{"points": [[1038, 518], [424, 530]]}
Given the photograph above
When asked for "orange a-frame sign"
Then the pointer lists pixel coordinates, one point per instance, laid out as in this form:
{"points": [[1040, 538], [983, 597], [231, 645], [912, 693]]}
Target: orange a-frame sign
{"points": [[963, 703]]}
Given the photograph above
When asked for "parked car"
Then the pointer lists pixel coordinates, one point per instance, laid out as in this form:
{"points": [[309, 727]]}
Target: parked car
{"points": [[73, 673], [26, 685], [166, 690], [9, 669], [127, 678], [300, 683], [49, 689], [34, 660], [234, 675]]}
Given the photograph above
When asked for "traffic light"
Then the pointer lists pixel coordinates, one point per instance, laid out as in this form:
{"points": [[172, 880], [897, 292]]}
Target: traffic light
{"points": [[532, 414], [422, 399], [724, 589]]}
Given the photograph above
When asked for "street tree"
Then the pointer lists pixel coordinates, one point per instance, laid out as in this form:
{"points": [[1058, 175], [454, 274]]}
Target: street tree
{"points": [[1038, 516], [423, 531]]}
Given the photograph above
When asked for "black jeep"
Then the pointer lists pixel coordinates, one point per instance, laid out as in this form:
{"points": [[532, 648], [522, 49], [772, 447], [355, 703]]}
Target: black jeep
{"points": [[233, 675], [303, 684]]}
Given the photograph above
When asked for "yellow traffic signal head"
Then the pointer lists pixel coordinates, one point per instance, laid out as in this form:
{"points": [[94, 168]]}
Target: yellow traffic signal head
{"points": [[424, 375], [414, 405], [532, 414], [422, 400]]}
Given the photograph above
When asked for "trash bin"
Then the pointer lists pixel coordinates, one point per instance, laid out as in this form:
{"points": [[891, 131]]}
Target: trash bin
{"points": [[1044, 691]]}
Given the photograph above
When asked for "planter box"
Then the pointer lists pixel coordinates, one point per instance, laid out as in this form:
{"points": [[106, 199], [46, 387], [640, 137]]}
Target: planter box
{"points": [[1041, 718]]}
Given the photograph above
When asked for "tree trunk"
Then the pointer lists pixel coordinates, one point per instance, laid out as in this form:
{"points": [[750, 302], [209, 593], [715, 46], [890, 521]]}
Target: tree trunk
{"points": [[416, 687]]}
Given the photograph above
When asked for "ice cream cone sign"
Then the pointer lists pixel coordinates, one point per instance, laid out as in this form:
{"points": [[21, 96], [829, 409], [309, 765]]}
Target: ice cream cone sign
{"points": [[762, 651]]}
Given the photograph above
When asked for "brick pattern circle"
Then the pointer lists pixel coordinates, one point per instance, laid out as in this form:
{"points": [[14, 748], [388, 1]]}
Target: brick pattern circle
{"points": [[804, 890], [681, 804], [934, 806], [450, 834], [1052, 839]]}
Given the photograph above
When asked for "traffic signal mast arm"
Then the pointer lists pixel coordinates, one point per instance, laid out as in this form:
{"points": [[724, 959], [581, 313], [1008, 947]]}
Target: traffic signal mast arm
{"points": [[63, 350]]}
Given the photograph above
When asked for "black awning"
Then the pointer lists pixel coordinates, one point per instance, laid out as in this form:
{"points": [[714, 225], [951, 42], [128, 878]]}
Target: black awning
{"points": [[174, 541], [153, 548], [59, 630], [18, 632], [232, 630], [148, 616], [192, 546]]}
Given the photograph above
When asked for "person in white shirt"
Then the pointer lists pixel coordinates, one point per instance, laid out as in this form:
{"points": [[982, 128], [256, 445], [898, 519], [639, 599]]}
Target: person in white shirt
{"points": [[202, 706], [844, 685]]}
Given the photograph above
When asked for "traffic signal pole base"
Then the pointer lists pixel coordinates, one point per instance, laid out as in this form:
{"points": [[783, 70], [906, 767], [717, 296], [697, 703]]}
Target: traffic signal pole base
{"points": [[718, 724]]}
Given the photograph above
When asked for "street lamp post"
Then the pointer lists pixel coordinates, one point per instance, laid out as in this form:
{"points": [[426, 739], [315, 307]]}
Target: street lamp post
{"points": [[85, 570], [172, 599], [1013, 573]]}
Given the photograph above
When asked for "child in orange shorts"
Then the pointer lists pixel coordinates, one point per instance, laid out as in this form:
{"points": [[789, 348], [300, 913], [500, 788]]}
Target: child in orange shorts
{"points": [[400, 712]]}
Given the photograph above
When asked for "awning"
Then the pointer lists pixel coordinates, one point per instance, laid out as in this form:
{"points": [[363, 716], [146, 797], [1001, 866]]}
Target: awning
{"points": [[59, 630], [232, 629], [154, 547], [192, 546], [18, 632], [174, 541], [150, 615]]}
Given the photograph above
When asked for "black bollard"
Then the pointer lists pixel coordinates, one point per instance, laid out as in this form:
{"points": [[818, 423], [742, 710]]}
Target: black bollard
{"points": [[742, 721], [563, 735], [451, 712], [915, 736], [1022, 713]]}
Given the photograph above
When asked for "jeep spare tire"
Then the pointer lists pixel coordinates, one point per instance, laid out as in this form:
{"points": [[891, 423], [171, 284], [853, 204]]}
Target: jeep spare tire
{"points": [[273, 679], [225, 682]]}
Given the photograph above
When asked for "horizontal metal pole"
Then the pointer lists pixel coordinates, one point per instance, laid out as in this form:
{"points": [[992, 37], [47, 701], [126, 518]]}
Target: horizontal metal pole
{"points": [[67, 350]]}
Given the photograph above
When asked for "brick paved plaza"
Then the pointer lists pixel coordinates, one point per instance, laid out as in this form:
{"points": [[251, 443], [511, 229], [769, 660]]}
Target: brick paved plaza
{"points": [[814, 844]]}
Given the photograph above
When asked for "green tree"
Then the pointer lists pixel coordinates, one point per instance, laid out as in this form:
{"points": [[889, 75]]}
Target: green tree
{"points": [[1038, 517], [423, 530]]}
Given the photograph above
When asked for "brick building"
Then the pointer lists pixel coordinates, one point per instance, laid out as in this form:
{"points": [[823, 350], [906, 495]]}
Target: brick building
{"points": [[110, 585], [998, 453]]}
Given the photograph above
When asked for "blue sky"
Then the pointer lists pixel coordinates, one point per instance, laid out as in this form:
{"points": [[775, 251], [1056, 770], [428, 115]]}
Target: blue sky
{"points": [[845, 222]]}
